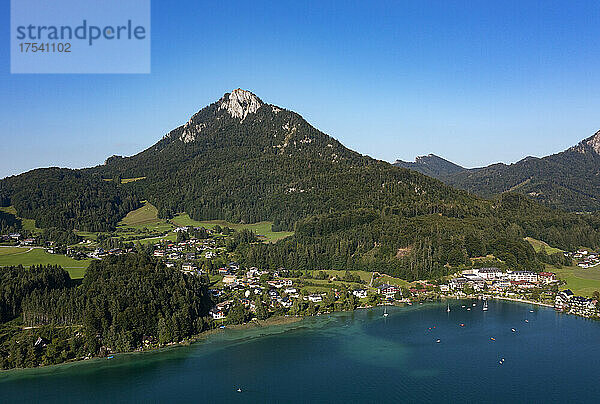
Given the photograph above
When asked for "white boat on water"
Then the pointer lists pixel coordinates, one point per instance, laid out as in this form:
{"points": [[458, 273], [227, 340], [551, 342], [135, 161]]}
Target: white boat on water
{"points": [[485, 306], [448, 309], [385, 313]]}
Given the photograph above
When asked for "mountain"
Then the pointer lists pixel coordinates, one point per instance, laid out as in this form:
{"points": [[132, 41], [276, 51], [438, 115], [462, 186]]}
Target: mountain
{"points": [[244, 160], [569, 180], [431, 165]]}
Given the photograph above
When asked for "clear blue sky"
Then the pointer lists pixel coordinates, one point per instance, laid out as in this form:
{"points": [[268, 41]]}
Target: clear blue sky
{"points": [[472, 81]]}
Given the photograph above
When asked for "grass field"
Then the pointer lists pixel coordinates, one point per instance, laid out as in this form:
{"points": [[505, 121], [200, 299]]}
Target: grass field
{"points": [[582, 282], [394, 281], [128, 180], [35, 256], [87, 234], [172, 236], [260, 228], [145, 217], [125, 180], [539, 245], [364, 275]]}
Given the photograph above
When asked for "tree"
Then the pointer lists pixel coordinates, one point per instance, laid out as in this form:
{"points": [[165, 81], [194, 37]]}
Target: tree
{"points": [[261, 311], [237, 314]]}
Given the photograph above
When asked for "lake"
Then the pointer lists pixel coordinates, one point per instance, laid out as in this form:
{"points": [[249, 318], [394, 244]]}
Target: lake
{"points": [[350, 357]]}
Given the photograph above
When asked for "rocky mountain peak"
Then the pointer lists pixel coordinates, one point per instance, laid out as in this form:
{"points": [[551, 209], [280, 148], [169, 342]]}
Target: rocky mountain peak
{"points": [[594, 142], [239, 103]]}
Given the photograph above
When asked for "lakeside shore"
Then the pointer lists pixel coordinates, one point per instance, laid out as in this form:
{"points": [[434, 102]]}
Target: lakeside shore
{"points": [[269, 322], [512, 299]]}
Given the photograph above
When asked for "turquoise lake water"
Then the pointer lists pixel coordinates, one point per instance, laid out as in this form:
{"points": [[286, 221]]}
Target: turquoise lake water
{"points": [[350, 357]]}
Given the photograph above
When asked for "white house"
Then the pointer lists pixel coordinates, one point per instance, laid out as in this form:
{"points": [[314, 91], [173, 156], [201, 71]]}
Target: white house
{"points": [[360, 293], [315, 298], [488, 273], [527, 276], [217, 314]]}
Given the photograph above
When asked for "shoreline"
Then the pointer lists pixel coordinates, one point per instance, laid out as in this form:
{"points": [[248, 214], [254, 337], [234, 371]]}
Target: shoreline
{"points": [[269, 322], [512, 299]]}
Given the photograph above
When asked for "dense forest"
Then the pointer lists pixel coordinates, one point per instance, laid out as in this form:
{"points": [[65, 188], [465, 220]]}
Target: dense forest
{"points": [[67, 199], [9, 223], [425, 245], [123, 303]]}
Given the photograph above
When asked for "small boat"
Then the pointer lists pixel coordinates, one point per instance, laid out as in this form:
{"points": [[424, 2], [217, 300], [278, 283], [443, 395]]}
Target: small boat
{"points": [[448, 309], [438, 341], [485, 306], [239, 390], [493, 339], [385, 313], [462, 324], [474, 304], [531, 311], [513, 330], [468, 309], [463, 306], [110, 357], [526, 321]]}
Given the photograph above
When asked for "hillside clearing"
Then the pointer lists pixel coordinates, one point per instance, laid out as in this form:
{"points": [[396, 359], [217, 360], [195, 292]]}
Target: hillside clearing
{"points": [[145, 217], [28, 224], [539, 245], [260, 228]]}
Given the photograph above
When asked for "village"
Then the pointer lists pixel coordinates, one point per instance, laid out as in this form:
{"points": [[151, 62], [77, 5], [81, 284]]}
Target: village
{"points": [[536, 287], [203, 252]]}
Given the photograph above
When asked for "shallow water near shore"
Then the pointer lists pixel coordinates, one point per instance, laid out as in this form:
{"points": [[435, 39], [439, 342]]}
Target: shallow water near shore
{"points": [[357, 356]]}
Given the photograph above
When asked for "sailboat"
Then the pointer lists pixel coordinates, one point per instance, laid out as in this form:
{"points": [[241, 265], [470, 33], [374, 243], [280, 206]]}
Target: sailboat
{"points": [[385, 313], [485, 307], [448, 309]]}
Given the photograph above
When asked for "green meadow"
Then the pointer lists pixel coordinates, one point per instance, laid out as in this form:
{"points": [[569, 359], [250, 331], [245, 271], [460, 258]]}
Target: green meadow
{"points": [[260, 228], [145, 217], [581, 281], [539, 245], [38, 256]]}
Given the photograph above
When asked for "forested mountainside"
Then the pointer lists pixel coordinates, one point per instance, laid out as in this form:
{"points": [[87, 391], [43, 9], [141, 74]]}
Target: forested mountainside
{"points": [[243, 160], [569, 180], [67, 199], [266, 163]]}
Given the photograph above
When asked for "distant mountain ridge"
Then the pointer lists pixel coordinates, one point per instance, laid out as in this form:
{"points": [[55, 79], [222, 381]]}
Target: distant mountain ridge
{"points": [[431, 165], [569, 180]]}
